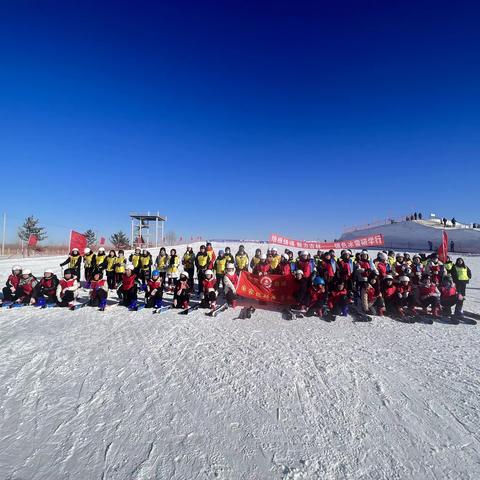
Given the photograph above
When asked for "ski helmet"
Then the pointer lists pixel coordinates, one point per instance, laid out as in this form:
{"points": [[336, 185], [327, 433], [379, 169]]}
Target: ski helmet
{"points": [[318, 281], [155, 273], [86, 250], [27, 271], [298, 271], [209, 272], [230, 266], [16, 268], [388, 277], [263, 256], [404, 278], [75, 250], [383, 256], [48, 270], [130, 267]]}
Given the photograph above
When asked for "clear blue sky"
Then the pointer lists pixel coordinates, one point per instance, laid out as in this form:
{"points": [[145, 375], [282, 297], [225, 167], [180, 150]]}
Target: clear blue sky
{"points": [[239, 118]]}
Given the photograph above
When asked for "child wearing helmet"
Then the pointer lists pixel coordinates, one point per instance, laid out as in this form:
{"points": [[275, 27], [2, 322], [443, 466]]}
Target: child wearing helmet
{"points": [[11, 284], [450, 297], [127, 290], [201, 262], [301, 293], [47, 288], [67, 289], [305, 264], [100, 259], [283, 267], [188, 262], [145, 267], [110, 269], [209, 290], [120, 263], [317, 297], [371, 296], [98, 290], [404, 296], [181, 295], [338, 299], [231, 281], [219, 266], [262, 267], [26, 289], [154, 292], [429, 295], [241, 260], [74, 262], [88, 264]]}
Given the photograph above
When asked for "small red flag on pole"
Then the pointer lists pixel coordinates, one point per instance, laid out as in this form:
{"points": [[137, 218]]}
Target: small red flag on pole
{"points": [[102, 240], [443, 248]]}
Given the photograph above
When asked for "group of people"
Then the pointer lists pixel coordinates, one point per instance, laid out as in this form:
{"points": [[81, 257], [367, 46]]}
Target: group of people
{"points": [[390, 283]]}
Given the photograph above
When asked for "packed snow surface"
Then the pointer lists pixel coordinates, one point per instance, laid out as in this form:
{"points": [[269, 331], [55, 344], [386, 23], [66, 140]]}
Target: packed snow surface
{"points": [[131, 395]]}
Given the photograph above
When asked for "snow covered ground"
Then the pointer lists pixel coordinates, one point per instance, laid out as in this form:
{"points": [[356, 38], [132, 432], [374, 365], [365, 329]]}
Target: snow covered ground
{"points": [[131, 395]]}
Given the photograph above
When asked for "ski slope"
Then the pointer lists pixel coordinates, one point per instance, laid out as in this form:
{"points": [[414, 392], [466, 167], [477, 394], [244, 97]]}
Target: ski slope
{"points": [[131, 395]]}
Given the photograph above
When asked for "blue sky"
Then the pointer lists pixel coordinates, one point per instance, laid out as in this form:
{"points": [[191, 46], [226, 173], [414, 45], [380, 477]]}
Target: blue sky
{"points": [[237, 118]]}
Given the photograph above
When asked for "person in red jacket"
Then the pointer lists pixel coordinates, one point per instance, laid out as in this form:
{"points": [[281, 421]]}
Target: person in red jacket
{"points": [[398, 265], [154, 291], [262, 267], [181, 292], [12, 284], [127, 290], [317, 297], [450, 297], [67, 288], [26, 288], [301, 292], [371, 296], [284, 267], [429, 295], [345, 269], [389, 289], [304, 264], [98, 290], [231, 282], [328, 269], [381, 265], [339, 299], [47, 289], [404, 297], [209, 290]]}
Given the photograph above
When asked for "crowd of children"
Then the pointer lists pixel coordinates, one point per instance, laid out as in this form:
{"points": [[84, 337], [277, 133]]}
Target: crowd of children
{"points": [[391, 283]]}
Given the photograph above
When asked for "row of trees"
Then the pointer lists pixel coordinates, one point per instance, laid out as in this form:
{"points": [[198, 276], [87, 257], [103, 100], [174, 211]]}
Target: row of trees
{"points": [[118, 239]]}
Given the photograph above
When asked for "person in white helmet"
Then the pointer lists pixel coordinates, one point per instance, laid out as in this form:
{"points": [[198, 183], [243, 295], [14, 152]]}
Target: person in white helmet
{"points": [[25, 292], [100, 260], [67, 289], [262, 267], [12, 284], [47, 288], [89, 263], [231, 281], [209, 290], [127, 290], [74, 262]]}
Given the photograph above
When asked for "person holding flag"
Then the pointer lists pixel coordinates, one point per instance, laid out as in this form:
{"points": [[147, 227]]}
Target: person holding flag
{"points": [[74, 262]]}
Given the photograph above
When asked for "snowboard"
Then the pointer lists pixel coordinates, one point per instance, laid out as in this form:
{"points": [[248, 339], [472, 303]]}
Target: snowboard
{"points": [[216, 311]]}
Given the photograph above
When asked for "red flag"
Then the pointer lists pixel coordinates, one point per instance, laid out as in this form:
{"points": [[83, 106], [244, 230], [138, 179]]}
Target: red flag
{"points": [[269, 288], [102, 240], [32, 240], [443, 248], [77, 240]]}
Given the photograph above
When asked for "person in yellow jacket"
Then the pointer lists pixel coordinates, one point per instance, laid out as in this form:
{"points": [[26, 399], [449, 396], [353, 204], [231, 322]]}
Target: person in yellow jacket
{"points": [[134, 259], [88, 264], [228, 255], [188, 262], [172, 270], [220, 265], [145, 266], [461, 275], [256, 258], [100, 259], [201, 262], [241, 260], [110, 269], [162, 263], [275, 258], [120, 262], [448, 265]]}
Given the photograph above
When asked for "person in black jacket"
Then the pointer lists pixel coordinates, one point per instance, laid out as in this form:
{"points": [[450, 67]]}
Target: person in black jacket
{"points": [[46, 289]]}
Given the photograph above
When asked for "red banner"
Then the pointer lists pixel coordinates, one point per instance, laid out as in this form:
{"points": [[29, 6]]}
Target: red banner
{"points": [[443, 248], [32, 240], [102, 240], [269, 288], [375, 240], [77, 240]]}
